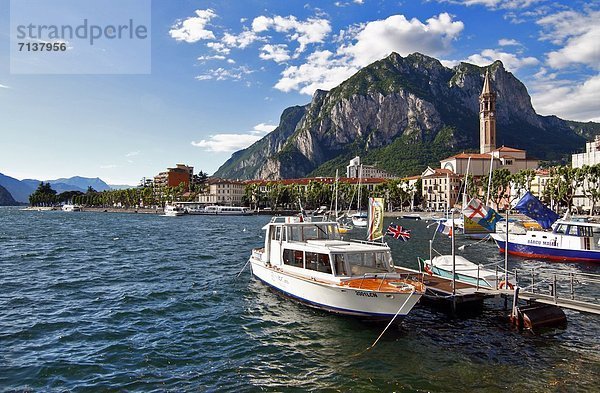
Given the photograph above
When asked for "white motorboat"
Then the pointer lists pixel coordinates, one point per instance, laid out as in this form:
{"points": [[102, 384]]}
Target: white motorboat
{"points": [[359, 219], [173, 211], [308, 262], [221, 210], [71, 208], [568, 241], [467, 271]]}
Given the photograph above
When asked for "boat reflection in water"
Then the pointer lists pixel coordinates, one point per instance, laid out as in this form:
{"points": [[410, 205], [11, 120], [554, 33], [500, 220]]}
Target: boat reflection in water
{"points": [[308, 262]]}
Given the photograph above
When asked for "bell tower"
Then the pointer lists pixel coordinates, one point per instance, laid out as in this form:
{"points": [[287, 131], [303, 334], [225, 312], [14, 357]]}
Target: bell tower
{"points": [[487, 116]]}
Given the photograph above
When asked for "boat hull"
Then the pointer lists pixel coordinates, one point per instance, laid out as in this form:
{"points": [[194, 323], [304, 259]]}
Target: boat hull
{"points": [[337, 299], [551, 253]]}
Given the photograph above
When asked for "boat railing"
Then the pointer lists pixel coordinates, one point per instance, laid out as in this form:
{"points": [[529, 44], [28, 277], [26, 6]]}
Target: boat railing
{"points": [[381, 244], [560, 284]]}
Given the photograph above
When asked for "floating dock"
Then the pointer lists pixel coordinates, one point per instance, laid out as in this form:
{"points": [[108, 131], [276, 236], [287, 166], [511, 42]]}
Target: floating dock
{"points": [[440, 290]]}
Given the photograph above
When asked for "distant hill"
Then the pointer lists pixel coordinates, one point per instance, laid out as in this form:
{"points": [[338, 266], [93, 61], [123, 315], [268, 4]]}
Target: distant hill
{"points": [[6, 199], [21, 189], [120, 186], [404, 114]]}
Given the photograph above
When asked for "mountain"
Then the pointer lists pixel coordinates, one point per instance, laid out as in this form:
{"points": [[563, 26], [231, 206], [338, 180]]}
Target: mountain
{"points": [[80, 184], [403, 113], [6, 199], [21, 189], [120, 186]]}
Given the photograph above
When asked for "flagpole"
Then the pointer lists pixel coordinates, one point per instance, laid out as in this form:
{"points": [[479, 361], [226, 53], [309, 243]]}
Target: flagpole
{"points": [[453, 267], [506, 251]]}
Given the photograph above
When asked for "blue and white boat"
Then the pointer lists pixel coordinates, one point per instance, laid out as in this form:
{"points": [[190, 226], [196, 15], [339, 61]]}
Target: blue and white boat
{"points": [[568, 241]]}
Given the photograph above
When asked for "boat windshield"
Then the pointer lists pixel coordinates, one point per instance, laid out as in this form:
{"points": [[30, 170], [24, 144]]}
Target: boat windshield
{"points": [[301, 233], [361, 263]]}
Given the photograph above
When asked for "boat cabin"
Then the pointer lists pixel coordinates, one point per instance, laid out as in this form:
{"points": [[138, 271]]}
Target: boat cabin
{"points": [[316, 249], [586, 233]]}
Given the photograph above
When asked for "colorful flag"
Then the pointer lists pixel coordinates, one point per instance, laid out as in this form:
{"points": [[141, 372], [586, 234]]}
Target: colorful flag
{"points": [[445, 229], [479, 218], [397, 232], [375, 218], [533, 208], [475, 210]]}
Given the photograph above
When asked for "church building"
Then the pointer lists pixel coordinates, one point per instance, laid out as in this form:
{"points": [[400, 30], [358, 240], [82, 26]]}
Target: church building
{"points": [[478, 164], [441, 186]]}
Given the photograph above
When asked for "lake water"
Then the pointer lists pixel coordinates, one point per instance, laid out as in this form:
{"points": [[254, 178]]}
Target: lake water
{"points": [[104, 302]]}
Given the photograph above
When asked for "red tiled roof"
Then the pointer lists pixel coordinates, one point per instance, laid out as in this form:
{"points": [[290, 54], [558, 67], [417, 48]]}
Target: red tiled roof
{"points": [[505, 148], [474, 156], [326, 180]]}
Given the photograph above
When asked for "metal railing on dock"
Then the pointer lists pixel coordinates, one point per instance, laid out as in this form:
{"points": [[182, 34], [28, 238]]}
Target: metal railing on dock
{"points": [[567, 289]]}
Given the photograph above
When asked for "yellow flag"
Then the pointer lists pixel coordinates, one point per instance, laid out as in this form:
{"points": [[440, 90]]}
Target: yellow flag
{"points": [[375, 218]]}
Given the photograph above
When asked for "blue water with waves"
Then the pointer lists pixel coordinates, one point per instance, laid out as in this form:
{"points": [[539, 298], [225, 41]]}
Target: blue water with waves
{"points": [[139, 302]]}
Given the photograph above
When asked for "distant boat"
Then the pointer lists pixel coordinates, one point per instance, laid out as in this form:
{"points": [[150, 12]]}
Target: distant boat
{"points": [[412, 216], [308, 262], [221, 210], [467, 271], [568, 241], [71, 208], [173, 211], [359, 219]]}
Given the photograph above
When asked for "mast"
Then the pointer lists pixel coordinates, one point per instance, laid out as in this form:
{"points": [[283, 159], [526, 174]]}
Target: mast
{"points": [[336, 194]]}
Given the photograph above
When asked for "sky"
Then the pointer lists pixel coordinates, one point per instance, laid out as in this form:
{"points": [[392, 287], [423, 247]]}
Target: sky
{"points": [[222, 72]]}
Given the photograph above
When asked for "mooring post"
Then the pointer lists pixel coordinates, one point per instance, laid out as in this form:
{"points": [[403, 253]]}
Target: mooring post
{"points": [[515, 302], [572, 286], [554, 289]]}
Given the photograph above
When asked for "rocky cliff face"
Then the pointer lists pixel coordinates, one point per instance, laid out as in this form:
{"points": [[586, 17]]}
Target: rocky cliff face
{"points": [[410, 103]]}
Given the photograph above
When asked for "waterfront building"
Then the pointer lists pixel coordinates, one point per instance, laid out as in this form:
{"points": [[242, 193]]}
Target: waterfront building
{"points": [[356, 169], [590, 157], [440, 188], [173, 177], [222, 192]]}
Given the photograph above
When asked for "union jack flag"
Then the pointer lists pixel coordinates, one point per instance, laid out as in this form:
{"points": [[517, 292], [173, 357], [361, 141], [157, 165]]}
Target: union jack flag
{"points": [[397, 232]]}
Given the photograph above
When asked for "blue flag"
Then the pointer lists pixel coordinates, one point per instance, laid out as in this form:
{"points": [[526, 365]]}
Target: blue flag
{"points": [[533, 208]]}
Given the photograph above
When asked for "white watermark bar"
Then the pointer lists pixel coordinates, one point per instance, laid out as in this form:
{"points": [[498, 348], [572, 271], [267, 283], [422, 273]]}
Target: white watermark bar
{"points": [[80, 37]]}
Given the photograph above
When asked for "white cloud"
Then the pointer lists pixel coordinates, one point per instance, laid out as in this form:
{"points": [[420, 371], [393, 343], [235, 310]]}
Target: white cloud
{"points": [[511, 61], [108, 166], [310, 31], [369, 42], [263, 128], [508, 42], [226, 142], [4, 86], [132, 154], [219, 47], [221, 74], [277, 53], [495, 4], [579, 34], [567, 99], [234, 141], [397, 34], [320, 71], [241, 40], [193, 29], [213, 57]]}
